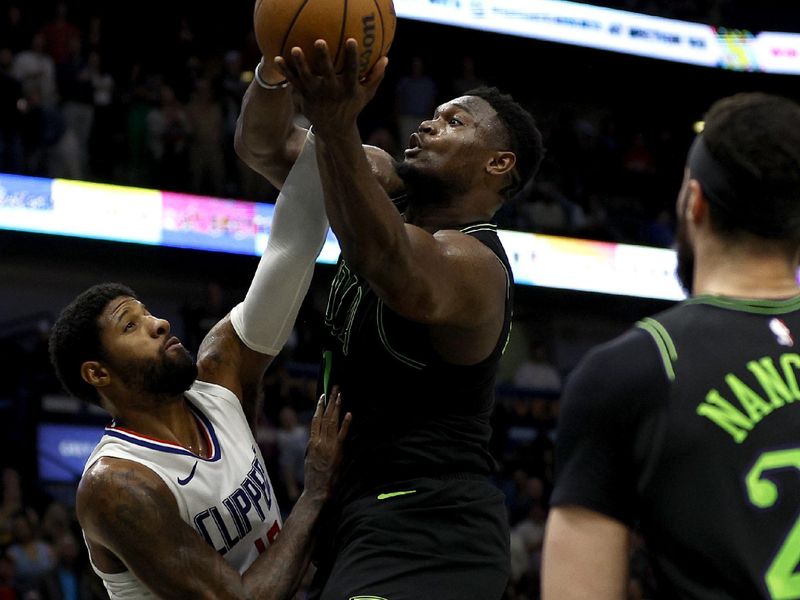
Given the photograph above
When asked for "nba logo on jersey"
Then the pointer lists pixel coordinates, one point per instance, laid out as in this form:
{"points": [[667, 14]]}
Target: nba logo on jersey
{"points": [[782, 333]]}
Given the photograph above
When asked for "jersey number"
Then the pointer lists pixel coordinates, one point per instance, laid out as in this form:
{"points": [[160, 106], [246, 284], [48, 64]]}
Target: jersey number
{"points": [[782, 581], [271, 535]]}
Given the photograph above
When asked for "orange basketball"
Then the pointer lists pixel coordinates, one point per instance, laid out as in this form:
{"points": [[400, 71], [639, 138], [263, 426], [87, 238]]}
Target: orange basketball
{"points": [[281, 25]]}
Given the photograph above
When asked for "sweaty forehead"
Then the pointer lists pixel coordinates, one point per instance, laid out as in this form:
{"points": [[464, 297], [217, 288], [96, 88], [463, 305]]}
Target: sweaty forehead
{"points": [[479, 108]]}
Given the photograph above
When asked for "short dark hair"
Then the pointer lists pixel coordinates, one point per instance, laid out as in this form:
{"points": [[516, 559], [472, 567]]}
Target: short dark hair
{"points": [[75, 337], [756, 138], [524, 137]]}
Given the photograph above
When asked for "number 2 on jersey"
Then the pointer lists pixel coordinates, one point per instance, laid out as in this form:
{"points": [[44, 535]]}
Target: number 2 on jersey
{"points": [[781, 579]]}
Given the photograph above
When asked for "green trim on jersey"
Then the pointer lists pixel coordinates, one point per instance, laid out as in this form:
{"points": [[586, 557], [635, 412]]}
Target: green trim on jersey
{"points": [[664, 343], [326, 378], [761, 306]]}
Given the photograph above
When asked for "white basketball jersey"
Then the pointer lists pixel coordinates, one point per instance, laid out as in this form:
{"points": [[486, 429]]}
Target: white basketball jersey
{"points": [[227, 498]]}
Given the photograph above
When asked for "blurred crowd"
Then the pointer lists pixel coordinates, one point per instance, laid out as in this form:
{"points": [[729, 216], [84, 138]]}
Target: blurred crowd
{"points": [[72, 106]]}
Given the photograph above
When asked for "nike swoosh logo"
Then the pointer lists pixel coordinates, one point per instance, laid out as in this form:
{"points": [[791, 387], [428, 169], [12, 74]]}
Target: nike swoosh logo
{"points": [[367, 598], [189, 477], [393, 495]]}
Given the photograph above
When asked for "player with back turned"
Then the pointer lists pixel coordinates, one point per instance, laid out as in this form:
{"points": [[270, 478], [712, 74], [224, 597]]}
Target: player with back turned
{"points": [[689, 424], [418, 314]]}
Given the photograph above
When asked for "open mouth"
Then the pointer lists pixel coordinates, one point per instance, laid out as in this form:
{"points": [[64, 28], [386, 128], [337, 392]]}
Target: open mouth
{"points": [[414, 145], [171, 343]]}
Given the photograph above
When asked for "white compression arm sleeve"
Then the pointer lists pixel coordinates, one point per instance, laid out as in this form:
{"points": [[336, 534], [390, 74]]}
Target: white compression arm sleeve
{"points": [[264, 320]]}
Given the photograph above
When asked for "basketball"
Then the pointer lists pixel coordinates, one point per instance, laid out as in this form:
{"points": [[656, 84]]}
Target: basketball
{"points": [[281, 25]]}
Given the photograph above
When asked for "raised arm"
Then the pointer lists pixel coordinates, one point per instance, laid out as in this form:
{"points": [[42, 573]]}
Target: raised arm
{"points": [[238, 349], [447, 279], [267, 139], [125, 510]]}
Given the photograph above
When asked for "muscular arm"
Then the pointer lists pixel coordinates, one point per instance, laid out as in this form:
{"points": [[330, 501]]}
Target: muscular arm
{"points": [[225, 360], [125, 509], [447, 278], [238, 349], [266, 138], [585, 556]]}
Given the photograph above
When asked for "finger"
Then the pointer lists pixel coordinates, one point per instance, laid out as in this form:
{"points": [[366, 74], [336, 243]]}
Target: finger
{"points": [[300, 64], [322, 63], [286, 69], [375, 75], [348, 418], [331, 422], [316, 420], [350, 71]]}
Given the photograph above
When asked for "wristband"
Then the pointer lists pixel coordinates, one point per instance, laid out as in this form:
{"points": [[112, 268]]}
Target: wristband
{"points": [[268, 86]]}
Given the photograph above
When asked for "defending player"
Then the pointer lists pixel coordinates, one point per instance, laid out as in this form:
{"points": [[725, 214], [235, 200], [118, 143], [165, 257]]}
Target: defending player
{"points": [[175, 501]]}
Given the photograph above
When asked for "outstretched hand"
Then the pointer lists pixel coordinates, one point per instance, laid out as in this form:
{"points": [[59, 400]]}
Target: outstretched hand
{"points": [[331, 101], [324, 456]]}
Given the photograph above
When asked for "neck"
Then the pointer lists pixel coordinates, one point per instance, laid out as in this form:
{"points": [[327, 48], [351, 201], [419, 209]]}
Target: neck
{"points": [[745, 270], [433, 215], [167, 418]]}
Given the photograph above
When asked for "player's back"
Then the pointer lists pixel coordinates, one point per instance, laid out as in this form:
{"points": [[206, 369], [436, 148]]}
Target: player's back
{"points": [[717, 453]]}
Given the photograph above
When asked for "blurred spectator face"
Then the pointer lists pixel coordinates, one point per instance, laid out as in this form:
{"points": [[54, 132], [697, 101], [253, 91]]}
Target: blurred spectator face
{"points": [[12, 493], [535, 488], [288, 418], [22, 528], [6, 570], [6, 58], [39, 43], [56, 520], [66, 550]]}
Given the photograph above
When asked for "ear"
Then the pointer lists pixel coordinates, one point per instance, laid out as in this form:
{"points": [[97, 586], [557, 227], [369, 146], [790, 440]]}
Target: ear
{"points": [[696, 205], [501, 163], [95, 374]]}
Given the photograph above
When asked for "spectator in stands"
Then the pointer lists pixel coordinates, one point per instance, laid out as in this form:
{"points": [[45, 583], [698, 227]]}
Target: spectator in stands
{"points": [[538, 372], [104, 124], [10, 104], [8, 588], [77, 100], [466, 79], [36, 71], [59, 34], [168, 140], [15, 33], [206, 156], [34, 560], [10, 505], [416, 95]]}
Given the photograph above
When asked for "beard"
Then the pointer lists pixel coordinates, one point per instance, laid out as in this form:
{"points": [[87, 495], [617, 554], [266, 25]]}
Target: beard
{"points": [[166, 375]]}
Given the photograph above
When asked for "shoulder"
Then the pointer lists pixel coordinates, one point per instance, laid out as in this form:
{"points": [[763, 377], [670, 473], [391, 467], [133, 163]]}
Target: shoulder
{"points": [[628, 367], [383, 168], [112, 488]]}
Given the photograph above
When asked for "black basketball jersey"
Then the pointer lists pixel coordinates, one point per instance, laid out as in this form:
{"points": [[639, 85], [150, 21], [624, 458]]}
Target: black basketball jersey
{"points": [[689, 425], [414, 415]]}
